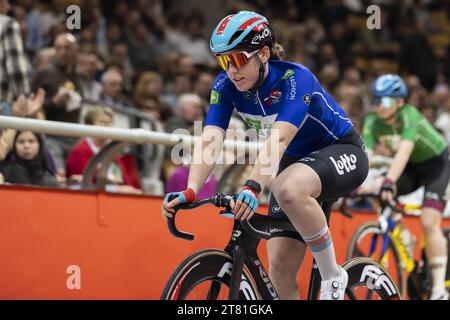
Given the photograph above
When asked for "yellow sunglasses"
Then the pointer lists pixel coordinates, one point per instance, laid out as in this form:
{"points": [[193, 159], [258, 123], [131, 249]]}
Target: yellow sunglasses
{"points": [[237, 59]]}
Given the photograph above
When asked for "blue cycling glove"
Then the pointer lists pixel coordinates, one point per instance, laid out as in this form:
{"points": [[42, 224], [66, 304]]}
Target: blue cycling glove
{"points": [[249, 196]]}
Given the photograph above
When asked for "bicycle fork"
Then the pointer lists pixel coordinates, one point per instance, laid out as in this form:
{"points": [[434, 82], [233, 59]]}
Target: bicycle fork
{"points": [[236, 273]]}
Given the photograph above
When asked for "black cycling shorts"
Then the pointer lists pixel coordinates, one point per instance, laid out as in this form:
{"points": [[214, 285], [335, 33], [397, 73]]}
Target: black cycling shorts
{"points": [[342, 167], [433, 174]]}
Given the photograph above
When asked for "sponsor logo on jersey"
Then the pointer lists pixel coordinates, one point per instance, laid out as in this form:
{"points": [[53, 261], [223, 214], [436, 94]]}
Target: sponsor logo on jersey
{"points": [[287, 74], [429, 195], [307, 159], [276, 209], [273, 98], [345, 162], [215, 97], [306, 99]]}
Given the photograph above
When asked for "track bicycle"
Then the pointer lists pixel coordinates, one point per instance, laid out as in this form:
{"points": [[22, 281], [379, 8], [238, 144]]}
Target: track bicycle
{"points": [[388, 242], [237, 273]]}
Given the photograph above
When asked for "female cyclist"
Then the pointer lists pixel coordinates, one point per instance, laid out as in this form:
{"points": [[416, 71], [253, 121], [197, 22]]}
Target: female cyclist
{"points": [[308, 136], [421, 159]]}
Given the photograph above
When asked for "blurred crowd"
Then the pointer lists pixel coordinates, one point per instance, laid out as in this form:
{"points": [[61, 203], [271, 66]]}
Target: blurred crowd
{"points": [[153, 56]]}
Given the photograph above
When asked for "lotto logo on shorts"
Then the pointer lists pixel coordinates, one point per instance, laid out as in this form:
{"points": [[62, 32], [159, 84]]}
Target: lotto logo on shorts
{"points": [[345, 162]]}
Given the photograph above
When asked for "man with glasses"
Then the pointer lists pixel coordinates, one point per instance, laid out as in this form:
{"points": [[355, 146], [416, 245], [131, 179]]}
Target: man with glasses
{"points": [[421, 158]]}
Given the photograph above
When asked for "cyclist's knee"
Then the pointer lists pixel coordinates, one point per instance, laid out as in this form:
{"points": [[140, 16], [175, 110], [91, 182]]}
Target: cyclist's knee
{"points": [[287, 194]]}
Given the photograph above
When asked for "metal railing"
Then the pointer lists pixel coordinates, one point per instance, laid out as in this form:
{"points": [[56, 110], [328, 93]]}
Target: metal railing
{"points": [[121, 137]]}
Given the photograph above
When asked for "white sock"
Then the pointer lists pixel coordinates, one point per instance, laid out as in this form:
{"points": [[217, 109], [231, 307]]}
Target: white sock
{"points": [[322, 249], [438, 266]]}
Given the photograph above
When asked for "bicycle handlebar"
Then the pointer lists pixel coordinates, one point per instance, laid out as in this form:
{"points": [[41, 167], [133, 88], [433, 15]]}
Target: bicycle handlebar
{"points": [[375, 196], [223, 201]]}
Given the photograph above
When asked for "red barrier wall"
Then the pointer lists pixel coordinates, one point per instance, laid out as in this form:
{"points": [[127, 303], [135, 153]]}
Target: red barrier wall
{"points": [[112, 246]]}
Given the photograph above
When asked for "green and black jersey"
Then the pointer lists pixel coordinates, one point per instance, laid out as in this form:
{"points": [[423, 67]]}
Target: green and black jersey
{"points": [[411, 125]]}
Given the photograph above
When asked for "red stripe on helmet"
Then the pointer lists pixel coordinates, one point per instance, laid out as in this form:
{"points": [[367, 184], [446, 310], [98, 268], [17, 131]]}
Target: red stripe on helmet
{"points": [[224, 24], [249, 22]]}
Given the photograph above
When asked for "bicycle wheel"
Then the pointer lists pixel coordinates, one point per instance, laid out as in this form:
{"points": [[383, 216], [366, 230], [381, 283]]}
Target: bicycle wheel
{"points": [[206, 275], [369, 280], [368, 236]]}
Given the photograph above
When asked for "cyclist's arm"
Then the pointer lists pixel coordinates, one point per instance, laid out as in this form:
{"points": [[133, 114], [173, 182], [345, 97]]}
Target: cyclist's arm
{"points": [[401, 158], [409, 121], [207, 150], [205, 155], [369, 135], [271, 152]]}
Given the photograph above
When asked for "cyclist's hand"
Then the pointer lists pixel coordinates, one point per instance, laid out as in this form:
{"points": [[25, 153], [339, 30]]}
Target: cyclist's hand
{"points": [[246, 203], [388, 190], [186, 196]]}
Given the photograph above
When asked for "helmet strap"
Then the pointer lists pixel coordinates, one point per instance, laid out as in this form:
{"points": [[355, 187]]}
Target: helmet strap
{"points": [[262, 71]]}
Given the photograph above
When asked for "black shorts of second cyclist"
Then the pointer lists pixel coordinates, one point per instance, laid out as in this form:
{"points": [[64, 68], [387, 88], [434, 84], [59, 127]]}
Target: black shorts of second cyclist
{"points": [[341, 167], [433, 174]]}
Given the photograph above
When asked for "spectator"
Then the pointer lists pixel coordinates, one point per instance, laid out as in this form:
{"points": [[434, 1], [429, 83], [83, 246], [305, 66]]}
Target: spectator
{"points": [[44, 58], [158, 111], [34, 36], [88, 65], [148, 86], [193, 43], [21, 108], [84, 150], [189, 110], [52, 16], [181, 84], [203, 84], [112, 86], [28, 162], [179, 179], [143, 54], [417, 55], [13, 63], [63, 87], [119, 58]]}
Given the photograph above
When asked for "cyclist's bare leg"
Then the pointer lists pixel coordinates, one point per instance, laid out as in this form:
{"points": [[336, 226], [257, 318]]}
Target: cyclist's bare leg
{"points": [[435, 246], [285, 258], [296, 190]]}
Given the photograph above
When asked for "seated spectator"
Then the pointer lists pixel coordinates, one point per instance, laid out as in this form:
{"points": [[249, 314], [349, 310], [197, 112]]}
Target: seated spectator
{"points": [[112, 86], [181, 84], [179, 179], [203, 83], [27, 162], [148, 86], [80, 155], [189, 110], [20, 108], [158, 111], [63, 94], [88, 65], [44, 58]]}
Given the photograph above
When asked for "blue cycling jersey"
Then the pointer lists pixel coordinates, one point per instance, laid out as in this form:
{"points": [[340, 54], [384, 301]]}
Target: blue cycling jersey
{"points": [[290, 93]]}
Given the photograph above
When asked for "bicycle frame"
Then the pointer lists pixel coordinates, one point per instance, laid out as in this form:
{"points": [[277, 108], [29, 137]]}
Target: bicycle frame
{"points": [[243, 248], [387, 223]]}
